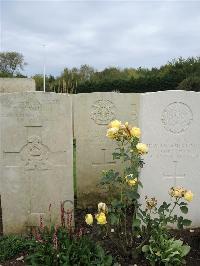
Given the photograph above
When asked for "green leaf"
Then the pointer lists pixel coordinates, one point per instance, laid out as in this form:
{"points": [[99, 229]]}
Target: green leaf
{"points": [[136, 223], [180, 225], [180, 222], [132, 195], [184, 209], [165, 205], [145, 248], [114, 219], [182, 203], [185, 250], [108, 260], [116, 203], [186, 222], [116, 155], [140, 184]]}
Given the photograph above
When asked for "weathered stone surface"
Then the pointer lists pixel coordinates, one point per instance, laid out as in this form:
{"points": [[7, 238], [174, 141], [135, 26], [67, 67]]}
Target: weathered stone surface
{"points": [[170, 123], [92, 113], [36, 157], [17, 84]]}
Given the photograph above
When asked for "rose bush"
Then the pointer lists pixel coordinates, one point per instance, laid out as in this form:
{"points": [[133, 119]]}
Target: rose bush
{"points": [[122, 218]]}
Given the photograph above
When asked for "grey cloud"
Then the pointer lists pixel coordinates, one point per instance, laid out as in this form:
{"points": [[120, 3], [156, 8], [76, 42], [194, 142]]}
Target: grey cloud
{"points": [[99, 33]]}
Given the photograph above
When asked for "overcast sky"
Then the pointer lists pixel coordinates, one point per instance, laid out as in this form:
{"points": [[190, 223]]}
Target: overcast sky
{"points": [[100, 33]]}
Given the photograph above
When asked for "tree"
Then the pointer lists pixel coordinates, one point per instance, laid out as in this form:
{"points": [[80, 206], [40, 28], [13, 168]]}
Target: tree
{"points": [[38, 81], [86, 72], [11, 63], [190, 84]]}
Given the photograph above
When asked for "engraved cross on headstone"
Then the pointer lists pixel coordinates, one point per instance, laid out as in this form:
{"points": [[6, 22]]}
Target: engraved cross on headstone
{"points": [[104, 158], [174, 177]]}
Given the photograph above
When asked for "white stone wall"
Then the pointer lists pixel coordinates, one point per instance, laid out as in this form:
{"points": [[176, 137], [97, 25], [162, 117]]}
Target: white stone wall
{"points": [[17, 84], [36, 157], [170, 123]]}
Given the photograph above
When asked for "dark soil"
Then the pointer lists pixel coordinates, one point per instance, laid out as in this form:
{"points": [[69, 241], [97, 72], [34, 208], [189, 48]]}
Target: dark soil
{"points": [[14, 261]]}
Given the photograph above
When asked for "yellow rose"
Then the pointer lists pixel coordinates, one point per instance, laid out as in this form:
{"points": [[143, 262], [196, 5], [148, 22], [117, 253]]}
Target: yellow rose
{"points": [[142, 148], [89, 219], [102, 207], [151, 203], [112, 132], [101, 218], [177, 192], [130, 180], [115, 124], [188, 195], [135, 132]]}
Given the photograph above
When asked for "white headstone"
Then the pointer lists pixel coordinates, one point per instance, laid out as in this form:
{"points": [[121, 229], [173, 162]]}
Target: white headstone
{"points": [[170, 123], [36, 171], [17, 84], [92, 113]]}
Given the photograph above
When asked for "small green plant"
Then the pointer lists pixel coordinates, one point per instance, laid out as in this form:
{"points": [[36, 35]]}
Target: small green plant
{"points": [[56, 246], [156, 221], [164, 251], [11, 246]]}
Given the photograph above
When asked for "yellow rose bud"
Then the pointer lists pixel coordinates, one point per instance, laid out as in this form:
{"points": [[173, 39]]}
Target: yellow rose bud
{"points": [[101, 218], [89, 219], [112, 132], [126, 124], [130, 180], [135, 132], [188, 195], [102, 207], [115, 124], [142, 148]]}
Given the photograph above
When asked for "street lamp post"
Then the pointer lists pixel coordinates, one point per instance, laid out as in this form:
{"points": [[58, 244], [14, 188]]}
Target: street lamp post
{"points": [[44, 70]]}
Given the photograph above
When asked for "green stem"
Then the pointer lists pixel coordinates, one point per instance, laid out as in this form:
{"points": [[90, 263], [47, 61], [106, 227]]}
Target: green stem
{"points": [[175, 203], [123, 170], [125, 226], [138, 248], [123, 176]]}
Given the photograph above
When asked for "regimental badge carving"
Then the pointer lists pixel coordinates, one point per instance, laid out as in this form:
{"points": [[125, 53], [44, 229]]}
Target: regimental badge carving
{"points": [[27, 108], [177, 117], [35, 154], [103, 112]]}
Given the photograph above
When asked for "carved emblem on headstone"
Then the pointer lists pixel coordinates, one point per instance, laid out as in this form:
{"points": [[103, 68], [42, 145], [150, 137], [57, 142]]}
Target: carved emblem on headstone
{"points": [[35, 154], [28, 108], [177, 117], [103, 112]]}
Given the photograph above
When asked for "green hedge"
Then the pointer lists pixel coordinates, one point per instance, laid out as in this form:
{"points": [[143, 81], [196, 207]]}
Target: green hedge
{"points": [[133, 85]]}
